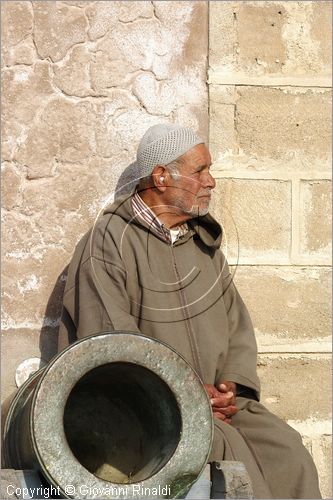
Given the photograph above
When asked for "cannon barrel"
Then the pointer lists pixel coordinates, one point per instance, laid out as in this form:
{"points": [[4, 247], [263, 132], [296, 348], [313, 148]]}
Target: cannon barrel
{"points": [[122, 414]]}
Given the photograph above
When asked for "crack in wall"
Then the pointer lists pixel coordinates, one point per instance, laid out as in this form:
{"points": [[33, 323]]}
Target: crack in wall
{"points": [[155, 12]]}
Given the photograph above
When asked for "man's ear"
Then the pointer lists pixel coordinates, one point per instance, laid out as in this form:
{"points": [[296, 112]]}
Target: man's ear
{"points": [[160, 177]]}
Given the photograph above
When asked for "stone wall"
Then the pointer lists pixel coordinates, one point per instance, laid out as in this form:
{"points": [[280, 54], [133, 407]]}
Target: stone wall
{"points": [[81, 83], [270, 131]]}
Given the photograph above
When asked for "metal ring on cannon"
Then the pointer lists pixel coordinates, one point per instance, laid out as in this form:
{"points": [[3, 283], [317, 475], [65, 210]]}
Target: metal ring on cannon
{"points": [[112, 410]]}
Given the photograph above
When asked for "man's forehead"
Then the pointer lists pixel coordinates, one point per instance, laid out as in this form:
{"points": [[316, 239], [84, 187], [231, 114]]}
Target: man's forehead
{"points": [[199, 153]]}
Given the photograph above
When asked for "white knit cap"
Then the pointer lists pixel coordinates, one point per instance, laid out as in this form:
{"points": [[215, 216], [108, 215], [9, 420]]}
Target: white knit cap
{"points": [[162, 144]]}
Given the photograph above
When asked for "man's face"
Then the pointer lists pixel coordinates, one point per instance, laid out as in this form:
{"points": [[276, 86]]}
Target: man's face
{"points": [[191, 191]]}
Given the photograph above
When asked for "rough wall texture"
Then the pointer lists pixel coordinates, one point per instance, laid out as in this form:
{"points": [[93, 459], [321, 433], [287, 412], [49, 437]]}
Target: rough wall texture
{"points": [[83, 80], [270, 132]]}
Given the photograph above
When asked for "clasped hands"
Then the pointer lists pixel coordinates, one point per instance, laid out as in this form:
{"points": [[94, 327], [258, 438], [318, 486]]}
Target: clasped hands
{"points": [[223, 400]]}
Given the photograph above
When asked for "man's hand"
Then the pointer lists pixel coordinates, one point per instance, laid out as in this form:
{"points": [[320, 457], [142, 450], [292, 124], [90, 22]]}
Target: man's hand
{"points": [[223, 400]]}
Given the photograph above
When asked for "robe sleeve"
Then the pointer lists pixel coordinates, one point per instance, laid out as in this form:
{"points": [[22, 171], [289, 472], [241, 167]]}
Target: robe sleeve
{"points": [[95, 298], [240, 365]]}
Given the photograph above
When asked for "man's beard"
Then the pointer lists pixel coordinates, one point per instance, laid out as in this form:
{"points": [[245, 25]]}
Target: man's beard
{"points": [[194, 211]]}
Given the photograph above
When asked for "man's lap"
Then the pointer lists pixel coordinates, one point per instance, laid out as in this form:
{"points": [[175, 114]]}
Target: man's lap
{"points": [[278, 450]]}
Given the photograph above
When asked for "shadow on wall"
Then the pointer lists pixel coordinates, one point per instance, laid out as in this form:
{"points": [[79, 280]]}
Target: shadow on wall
{"points": [[127, 181], [48, 340]]}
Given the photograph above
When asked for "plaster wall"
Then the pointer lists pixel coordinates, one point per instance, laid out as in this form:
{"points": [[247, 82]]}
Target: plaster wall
{"points": [[81, 83]]}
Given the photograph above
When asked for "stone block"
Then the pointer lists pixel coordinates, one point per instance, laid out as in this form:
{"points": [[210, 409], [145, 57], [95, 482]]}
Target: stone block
{"points": [[25, 90], [222, 34], [281, 130], [321, 31], [57, 27], [292, 386], [194, 117], [114, 64], [162, 46], [222, 137], [265, 38], [72, 75], [11, 182], [16, 29], [222, 94], [22, 87], [24, 53], [256, 217], [320, 447], [19, 233], [64, 132], [291, 306], [110, 137], [323, 459], [62, 212], [30, 289], [315, 218], [105, 15], [299, 128], [188, 23], [162, 97], [261, 42]]}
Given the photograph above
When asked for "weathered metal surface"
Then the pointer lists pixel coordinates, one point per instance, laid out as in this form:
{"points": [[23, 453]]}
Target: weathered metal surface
{"points": [[17, 443], [119, 413]]}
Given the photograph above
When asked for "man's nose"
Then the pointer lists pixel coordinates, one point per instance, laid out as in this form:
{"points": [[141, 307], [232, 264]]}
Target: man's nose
{"points": [[209, 181]]}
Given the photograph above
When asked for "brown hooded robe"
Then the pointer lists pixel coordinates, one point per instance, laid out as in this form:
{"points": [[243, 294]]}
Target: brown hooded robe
{"points": [[123, 277]]}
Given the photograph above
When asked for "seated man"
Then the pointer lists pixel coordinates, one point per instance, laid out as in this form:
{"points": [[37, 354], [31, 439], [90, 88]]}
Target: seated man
{"points": [[152, 264]]}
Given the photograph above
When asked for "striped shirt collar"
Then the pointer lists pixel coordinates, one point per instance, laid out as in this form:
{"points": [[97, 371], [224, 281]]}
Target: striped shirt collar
{"points": [[145, 213]]}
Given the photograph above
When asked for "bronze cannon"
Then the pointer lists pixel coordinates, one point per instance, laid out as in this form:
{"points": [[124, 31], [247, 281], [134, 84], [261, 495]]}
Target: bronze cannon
{"points": [[119, 414]]}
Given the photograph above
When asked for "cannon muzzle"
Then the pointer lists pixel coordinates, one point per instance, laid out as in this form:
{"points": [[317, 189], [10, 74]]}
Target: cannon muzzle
{"points": [[121, 414]]}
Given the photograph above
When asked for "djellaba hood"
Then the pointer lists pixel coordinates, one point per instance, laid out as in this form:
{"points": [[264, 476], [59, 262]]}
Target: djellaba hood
{"points": [[205, 227]]}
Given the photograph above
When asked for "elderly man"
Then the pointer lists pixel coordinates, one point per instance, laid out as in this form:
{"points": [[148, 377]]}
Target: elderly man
{"points": [[152, 264]]}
